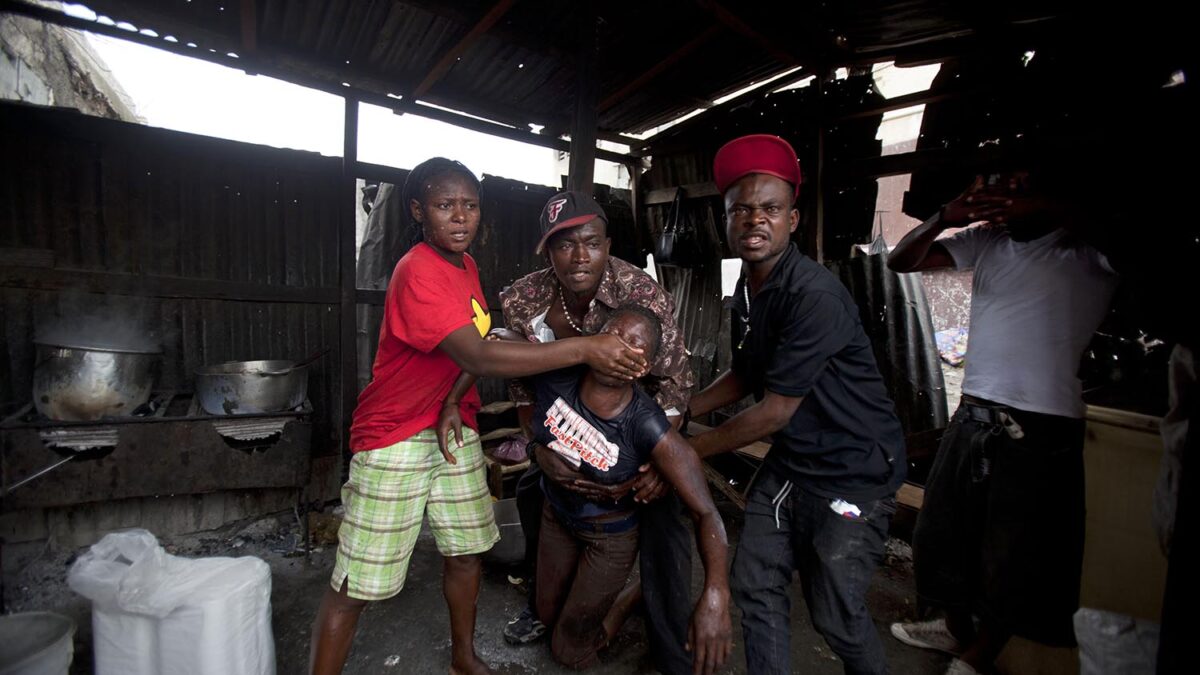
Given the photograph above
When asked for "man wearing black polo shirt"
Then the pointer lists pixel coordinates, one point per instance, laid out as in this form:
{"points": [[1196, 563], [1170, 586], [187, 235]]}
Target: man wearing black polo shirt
{"points": [[821, 503]]}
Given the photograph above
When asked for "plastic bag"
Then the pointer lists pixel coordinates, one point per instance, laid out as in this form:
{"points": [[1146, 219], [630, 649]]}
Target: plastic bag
{"points": [[159, 614], [1114, 644], [512, 450]]}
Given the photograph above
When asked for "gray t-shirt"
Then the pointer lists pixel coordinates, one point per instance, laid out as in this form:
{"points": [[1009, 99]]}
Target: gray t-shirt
{"points": [[1034, 308]]}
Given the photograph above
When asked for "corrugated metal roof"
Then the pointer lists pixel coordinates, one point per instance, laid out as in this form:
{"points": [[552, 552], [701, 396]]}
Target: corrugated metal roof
{"points": [[522, 69]]}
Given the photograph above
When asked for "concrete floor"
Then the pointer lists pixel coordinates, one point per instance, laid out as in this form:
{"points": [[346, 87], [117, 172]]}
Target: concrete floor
{"points": [[409, 633]]}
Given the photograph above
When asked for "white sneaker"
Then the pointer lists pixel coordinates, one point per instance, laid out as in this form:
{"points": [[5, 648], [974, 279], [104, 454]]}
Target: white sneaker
{"points": [[928, 635], [960, 667]]}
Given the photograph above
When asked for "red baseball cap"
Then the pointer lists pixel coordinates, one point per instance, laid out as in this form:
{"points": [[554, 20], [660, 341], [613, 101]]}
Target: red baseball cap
{"points": [[756, 153]]}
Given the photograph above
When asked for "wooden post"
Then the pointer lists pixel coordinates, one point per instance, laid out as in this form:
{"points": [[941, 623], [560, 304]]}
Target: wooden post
{"points": [[582, 171], [814, 234], [347, 277]]}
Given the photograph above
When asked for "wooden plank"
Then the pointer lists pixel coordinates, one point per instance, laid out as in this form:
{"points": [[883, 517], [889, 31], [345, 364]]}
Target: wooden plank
{"points": [[756, 450], [497, 407], [722, 484], [450, 56], [499, 433], [151, 286], [1124, 419], [911, 495]]}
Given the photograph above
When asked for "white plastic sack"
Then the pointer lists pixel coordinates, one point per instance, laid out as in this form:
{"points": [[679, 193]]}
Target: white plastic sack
{"points": [[1115, 644], [159, 614]]}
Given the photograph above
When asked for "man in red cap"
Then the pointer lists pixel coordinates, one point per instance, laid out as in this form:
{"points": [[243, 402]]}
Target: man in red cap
{"points": [[821, 502]]}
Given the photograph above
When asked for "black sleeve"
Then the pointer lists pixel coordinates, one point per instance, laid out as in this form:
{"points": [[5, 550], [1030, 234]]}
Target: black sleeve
{"points": [[813, 331], [651, 424], [546, 388]]}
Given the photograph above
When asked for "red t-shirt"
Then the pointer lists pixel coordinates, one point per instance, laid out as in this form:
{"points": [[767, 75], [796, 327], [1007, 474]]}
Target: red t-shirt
{"points": [[427, 299]]}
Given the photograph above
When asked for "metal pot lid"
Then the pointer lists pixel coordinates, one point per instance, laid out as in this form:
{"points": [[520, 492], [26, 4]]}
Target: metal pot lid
{"points": [[245, 367], [85, 345]]}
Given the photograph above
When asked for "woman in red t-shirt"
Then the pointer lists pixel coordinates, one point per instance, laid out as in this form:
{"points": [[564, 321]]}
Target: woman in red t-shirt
{"points": [[435, 319]]}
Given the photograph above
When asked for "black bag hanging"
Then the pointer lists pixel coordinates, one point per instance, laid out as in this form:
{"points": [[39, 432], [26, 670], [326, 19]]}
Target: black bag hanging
{"points": [[677, 244]]}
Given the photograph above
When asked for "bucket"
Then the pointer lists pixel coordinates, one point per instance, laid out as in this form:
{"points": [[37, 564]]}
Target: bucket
{"points": [[36, 643], [511, 547]]}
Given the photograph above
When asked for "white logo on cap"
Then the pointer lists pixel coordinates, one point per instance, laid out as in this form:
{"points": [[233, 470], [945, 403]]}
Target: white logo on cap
{"points": [[553, 209]]}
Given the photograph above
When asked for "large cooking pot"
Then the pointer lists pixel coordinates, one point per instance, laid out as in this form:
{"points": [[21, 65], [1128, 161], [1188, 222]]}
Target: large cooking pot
{"points": [[248, 387], [73, 382]]}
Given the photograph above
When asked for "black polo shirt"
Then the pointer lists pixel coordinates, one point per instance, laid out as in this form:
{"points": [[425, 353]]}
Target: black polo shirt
{"points": [[805, 339]]}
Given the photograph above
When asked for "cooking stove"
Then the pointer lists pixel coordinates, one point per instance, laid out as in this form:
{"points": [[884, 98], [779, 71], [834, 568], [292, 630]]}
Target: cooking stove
{"points": [[167, 446]]}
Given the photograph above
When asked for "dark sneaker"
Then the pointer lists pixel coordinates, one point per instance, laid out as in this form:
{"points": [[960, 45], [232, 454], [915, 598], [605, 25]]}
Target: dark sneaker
{"points": [[524, 628]]}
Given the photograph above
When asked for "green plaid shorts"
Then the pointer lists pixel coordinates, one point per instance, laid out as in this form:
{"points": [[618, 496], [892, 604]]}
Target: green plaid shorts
{"points": [[389, 492]]}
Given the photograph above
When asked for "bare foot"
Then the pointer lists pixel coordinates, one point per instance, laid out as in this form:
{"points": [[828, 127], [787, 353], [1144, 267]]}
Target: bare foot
{"points": [[469, 666]]}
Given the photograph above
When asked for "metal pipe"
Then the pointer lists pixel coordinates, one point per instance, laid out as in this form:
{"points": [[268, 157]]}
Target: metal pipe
{"points": [[45, 470]]}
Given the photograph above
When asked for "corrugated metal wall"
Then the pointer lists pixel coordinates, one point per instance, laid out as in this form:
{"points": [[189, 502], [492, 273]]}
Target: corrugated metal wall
{"points": [[181, 227]]}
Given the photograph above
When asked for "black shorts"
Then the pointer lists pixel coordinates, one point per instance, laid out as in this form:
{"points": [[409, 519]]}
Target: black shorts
{"points": [[1001, 529]]}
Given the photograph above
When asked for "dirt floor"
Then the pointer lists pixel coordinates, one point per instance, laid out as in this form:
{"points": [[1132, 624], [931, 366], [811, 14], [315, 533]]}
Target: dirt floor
{"points": [[409, 633]]}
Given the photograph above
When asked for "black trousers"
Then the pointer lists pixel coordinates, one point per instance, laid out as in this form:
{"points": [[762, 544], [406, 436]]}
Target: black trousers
{"points": [[789, 530], [1001, 530]]}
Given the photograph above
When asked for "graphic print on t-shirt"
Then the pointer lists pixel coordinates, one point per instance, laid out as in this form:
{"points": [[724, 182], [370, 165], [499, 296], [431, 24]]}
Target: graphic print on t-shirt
{"points": [[576, 440], [481, 318]]}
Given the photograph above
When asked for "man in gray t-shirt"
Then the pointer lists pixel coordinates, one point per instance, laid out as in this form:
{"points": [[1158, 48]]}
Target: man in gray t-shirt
{"points": [[1000, 534]]}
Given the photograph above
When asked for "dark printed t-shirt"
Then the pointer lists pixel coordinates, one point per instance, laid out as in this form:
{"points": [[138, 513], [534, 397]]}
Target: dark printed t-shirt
{"points": [[607, 451]]}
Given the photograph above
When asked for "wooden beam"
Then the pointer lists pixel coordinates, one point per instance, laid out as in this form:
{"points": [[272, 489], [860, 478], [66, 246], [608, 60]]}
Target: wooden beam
{"points": [[735, 23], [657, 69], [249, 24], [364, 296], [552, 126], [581, 175], [899, 102], [451, 55], [150, 286], [653, 144], [347, 277], [814, 231]]}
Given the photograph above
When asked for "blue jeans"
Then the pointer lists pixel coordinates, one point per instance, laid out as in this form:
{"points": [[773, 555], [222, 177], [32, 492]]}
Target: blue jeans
{"points": [[787, 530]]}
